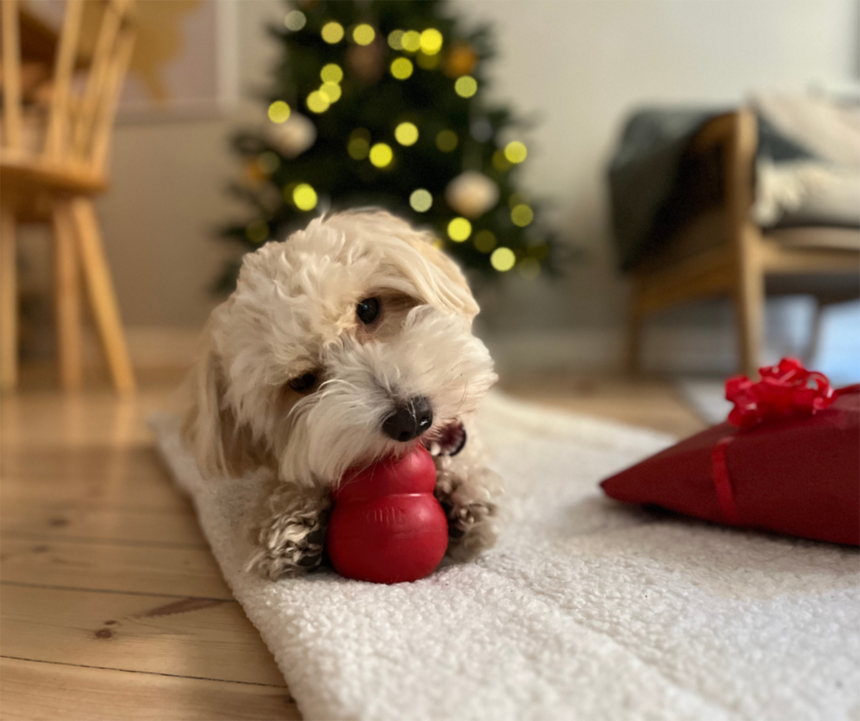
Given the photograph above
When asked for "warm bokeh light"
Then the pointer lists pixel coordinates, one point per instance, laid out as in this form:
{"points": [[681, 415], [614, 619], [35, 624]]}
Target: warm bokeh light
{"points": [[500, 162], [332, 91], [332, 33], [516, 152], [421, 200], [381, 155], [522, 215], [459, 230], [331, 73], [358, 146], [503, 259], [406, 134], [305, 197], [447, 140], [395, 39], [279, 112], [401, 68], [430, 41], [485, 241], [411, 41], [295, 20], [317, 102], [466, 86], [363, 34], [529, 268]]}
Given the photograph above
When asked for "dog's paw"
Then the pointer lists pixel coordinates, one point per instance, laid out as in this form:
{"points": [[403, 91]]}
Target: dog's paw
{"points": [[288, 547], [471, 529]]}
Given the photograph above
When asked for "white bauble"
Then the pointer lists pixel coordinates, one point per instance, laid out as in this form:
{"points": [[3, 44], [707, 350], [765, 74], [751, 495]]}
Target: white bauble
{"points": [[472, 194], [294, 136]]}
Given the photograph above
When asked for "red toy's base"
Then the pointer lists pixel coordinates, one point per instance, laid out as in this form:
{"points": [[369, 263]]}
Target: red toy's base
{"points": [[387, 526]]}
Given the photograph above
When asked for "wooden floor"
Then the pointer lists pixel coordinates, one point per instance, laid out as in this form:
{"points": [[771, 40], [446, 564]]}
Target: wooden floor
{"points": [[110, 603]]}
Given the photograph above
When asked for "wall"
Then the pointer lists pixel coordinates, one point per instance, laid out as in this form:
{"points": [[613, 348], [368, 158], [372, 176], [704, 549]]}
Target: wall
{"points": [[581, 65]]}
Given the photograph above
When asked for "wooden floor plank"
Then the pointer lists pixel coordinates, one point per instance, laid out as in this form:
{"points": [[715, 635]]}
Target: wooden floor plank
{"points": [[105, 567], [32, 691], [148, 527], [154, 634]]}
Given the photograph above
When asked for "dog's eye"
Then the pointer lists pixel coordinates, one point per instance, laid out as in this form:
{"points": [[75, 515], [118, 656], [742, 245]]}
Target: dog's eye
{"points": [[368, 310], [304, 383]]}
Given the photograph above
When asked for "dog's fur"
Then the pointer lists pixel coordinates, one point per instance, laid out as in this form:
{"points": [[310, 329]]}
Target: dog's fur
{"points": [[294, 312]]}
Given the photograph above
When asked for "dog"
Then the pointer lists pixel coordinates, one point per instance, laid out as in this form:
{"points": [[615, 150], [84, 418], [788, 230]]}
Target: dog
{"points": [[348, 342]]}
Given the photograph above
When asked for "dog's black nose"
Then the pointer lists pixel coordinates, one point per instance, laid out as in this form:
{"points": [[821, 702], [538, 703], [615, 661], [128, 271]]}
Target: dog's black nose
{"points": [[410, 420]]}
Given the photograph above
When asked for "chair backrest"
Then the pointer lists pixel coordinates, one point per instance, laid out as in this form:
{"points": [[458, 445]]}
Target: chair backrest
{"points": [[82, 101]]}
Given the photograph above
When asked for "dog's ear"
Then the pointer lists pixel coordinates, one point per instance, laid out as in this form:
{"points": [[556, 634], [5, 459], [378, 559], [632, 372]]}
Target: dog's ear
{"points": [[439, 277], [221, 445]]}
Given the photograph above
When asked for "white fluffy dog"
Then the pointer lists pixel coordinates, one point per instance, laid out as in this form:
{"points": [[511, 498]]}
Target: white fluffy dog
{"points": [[346, 343]]}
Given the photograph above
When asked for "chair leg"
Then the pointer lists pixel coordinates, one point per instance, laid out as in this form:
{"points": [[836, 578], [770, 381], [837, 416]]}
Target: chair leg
{"points": [[101, 293], [813, 345], [8, 302], [749, 302], [67, 297]]}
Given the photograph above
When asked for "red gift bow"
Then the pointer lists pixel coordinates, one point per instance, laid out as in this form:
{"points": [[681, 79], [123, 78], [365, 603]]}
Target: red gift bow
{"points": [[785, 390]]}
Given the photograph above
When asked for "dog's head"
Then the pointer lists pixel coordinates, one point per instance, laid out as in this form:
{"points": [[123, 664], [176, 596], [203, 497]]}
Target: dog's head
{"points": [[346, 343]]}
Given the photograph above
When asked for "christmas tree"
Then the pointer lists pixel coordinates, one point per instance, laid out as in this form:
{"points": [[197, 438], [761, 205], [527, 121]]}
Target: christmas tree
{"points": [[381, 103]]}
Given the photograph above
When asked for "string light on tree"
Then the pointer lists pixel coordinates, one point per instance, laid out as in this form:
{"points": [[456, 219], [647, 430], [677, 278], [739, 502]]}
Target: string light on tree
{"points": [[421, 200], [295, 20], [304, 197], [332, 32], [401, 68], [358, 146], [411, 41], [459, 230], [331, 91], [381, 155], [279, 112], [522, 215], [516, 152], [383, 104], [363, 34], [406, 134], [503, 259], [395, 40], [317, 102], [485, 241], [430, 41], [447, 141], [466, 86], [331, 73]]}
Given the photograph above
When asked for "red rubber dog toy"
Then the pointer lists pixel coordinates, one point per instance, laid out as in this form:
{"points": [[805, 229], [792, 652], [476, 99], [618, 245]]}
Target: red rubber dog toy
{"points": [[386, 525]]}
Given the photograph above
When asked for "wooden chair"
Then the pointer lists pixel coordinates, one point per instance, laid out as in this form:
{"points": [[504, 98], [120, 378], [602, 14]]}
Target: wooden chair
{"points": [[51, 167], [724, 252]]}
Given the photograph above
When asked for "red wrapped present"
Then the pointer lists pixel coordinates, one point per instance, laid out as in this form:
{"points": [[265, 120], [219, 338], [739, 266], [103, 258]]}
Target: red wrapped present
{"points": [[787, 461]]}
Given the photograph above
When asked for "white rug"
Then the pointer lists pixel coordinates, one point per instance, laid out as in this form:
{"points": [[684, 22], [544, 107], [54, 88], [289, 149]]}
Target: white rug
{"points": [[586, 609]]}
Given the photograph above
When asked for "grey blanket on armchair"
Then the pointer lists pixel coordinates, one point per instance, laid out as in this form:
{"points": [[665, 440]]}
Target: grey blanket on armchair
{"points": [[657, 186]]}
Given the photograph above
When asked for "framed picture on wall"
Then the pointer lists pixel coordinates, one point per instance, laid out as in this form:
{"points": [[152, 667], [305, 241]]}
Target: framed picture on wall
{"points": [[184, 62]]}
